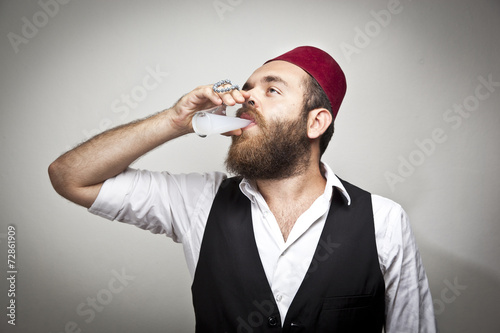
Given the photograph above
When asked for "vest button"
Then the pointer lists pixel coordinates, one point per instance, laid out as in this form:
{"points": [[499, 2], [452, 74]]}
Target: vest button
{"points": [[272, 321]]}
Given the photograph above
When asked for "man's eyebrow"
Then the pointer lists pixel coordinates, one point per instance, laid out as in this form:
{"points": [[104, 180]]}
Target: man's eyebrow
{"points": [[273, 78], [266, 79]]}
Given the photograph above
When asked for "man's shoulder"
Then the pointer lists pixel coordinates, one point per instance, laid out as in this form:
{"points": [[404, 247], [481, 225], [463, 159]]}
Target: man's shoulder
{"points": [[389, 214], [385, 202], [381, 205]]}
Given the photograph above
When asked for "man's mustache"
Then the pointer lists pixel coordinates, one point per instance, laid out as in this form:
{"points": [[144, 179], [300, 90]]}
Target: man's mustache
{"points": [[251, 112]]}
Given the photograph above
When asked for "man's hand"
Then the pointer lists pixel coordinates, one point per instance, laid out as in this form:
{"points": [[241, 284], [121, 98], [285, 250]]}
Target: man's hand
{"points": [[202, 98], [79, 174]]}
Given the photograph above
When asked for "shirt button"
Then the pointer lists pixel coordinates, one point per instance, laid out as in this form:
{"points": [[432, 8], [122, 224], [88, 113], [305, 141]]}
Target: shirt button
{"points": [[272, 321], [279, 298]]}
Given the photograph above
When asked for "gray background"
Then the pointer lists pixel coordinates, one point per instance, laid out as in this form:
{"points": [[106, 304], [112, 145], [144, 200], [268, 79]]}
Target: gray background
{"points": [[66, 81]]}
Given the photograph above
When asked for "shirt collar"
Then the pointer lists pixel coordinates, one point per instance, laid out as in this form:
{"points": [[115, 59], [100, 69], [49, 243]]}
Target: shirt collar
{"points": [[249, 189]]}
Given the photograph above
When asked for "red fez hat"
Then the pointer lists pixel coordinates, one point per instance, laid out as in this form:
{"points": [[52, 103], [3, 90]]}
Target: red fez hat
{"points": [[323, 68]]}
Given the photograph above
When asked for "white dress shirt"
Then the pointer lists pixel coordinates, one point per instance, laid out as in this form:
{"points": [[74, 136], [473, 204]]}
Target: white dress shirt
{"points": [[178, 206]]}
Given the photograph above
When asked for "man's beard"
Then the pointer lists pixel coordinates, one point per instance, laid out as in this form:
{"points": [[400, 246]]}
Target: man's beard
{"points": [[280, 150]]}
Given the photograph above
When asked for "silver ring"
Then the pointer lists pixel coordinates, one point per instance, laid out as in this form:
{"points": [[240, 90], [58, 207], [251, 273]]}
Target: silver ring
{"points": [[216, 88]]}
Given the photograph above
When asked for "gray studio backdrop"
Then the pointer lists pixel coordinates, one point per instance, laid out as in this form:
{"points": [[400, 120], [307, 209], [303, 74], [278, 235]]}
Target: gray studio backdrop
{"points": [[419, 125]]}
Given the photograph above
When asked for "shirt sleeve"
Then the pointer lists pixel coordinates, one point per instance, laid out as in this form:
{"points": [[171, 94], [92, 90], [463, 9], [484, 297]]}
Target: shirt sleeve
{"points": [[409, 307], [160, 202]]}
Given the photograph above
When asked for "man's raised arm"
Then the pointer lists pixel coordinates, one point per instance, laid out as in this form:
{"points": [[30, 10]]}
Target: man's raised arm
{"points": [[79, 174]]}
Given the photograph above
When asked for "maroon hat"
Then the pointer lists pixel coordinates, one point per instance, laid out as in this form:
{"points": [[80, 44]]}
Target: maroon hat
{"points": [[323, 68]]}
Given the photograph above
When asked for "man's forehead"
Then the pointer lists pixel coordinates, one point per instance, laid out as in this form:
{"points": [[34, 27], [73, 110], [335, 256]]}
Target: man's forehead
{"points": [[288, 73]]}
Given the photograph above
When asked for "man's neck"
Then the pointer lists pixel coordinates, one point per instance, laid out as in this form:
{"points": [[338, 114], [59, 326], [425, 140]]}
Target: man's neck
{"points": [[290, 197], [309, 182]]}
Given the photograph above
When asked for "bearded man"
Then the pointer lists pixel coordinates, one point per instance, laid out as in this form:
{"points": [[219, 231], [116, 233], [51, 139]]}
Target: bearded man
{"points": [[285, 245]]}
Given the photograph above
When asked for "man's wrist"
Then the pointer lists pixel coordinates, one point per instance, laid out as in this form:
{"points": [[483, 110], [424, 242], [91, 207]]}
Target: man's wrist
{"points": [[180, 125]]}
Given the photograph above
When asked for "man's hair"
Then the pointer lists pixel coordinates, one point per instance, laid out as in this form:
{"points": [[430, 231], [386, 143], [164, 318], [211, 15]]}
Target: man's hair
{"points": [[314, 98]]}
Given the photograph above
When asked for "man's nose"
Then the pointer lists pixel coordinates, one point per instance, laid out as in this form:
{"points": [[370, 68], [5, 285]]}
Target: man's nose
{"points": [[252, 100]]}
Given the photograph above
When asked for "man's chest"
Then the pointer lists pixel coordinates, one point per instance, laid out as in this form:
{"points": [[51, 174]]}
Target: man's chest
{"points": [[286, 215]]}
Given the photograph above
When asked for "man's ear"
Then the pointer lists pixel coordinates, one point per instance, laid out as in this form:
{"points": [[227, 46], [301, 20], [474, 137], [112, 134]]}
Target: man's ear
{"points": [[318, 121]]}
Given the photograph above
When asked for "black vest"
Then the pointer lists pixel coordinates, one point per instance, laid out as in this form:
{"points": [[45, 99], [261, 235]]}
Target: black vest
{"points": [[343, 290]]}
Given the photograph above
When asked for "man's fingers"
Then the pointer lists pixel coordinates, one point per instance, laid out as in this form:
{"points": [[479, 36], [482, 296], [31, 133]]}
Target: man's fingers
{"points": [[245, 94], [232, 97], [240, 96], [203, 97], [206, 92], [228, 99]]}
